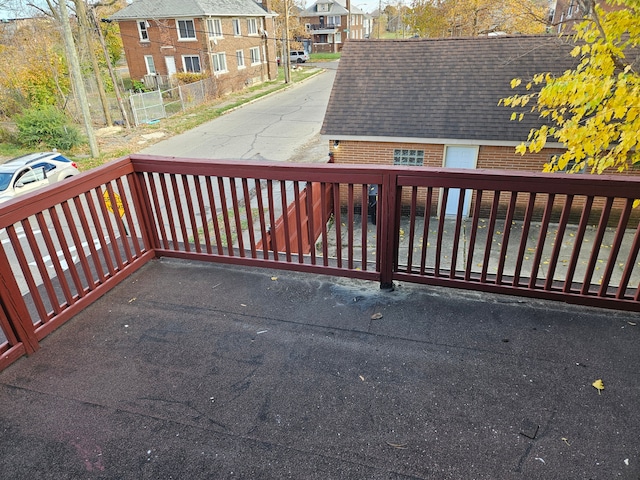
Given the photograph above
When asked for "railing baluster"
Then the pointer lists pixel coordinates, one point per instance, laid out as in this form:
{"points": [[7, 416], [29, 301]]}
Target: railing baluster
{"points": [[192, 214], [323, 220], [557, 244], [51, 249], [285, 219], [92, 282], [526, 226], [310, 232], [237, 215], [629, 265], [412, 227], [66, 251], [104, 248], [443, 211], [364, 224], [26, 271], [428, 203], [263, 223], [506, 235], [224, 207], [272, 219], [129, 216], [577, 245], [544, 228], [350, 225], [595, 249], [615, 247], [116, 215], [297, 207], [491, 228], [456, 235], [214, 215], [203, 214], [249, 216], [337, 212]]}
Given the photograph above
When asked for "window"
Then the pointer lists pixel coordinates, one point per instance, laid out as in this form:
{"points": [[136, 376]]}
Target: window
{"points": [[240, 58], [191, 63], [408, 157], [151, 66], [255, 55], [219, 62], [334, 20], [338, 37], [186, 30], [252, 26], [143, 25], [214, 25], [236, 27]]}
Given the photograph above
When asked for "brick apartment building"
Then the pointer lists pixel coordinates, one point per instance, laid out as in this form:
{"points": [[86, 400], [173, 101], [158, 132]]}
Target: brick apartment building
{"points": [[232, 40]]}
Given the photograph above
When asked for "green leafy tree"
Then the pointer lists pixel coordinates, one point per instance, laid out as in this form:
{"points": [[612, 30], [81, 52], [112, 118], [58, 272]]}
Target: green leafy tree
{"points": [[594, 109]]}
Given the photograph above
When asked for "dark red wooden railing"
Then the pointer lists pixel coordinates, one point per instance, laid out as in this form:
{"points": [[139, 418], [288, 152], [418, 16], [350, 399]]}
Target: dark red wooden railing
{"points": [[571, 238]]}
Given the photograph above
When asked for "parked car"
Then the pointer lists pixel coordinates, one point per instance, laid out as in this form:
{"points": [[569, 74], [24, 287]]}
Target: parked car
{"points": [[29, 172], [298, 56]]}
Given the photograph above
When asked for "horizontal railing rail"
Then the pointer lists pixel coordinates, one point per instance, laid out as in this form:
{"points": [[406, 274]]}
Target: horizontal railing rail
{"points": [[573, 238]]}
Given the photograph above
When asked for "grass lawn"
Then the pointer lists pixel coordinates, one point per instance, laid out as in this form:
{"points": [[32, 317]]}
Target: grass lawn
{"points": [[324, 57]]}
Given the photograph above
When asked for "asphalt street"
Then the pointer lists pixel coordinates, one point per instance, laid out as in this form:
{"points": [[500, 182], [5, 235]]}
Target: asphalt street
{"points": [[282, 127]]}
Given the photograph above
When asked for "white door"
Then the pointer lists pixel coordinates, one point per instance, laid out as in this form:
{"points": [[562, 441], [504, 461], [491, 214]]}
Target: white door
{"points": [[459, 157], [170, 62]]}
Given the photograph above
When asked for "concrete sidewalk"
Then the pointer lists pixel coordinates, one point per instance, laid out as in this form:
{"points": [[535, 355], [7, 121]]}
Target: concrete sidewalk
{"points": [[198, 371]]}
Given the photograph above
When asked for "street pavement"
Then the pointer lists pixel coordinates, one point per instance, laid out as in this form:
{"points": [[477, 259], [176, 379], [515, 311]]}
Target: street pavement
{"points": [[284, 126]]}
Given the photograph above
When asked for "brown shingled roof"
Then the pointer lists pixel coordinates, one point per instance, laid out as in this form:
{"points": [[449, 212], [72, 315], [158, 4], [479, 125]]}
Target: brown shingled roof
{"points": [[438, 88]]}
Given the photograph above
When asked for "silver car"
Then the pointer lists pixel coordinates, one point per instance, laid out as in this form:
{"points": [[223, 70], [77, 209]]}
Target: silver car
{"points": [[27, 173]]}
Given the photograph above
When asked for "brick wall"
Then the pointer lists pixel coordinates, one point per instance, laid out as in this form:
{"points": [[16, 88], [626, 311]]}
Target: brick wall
{"points": [[163, 42], [489, 157]]}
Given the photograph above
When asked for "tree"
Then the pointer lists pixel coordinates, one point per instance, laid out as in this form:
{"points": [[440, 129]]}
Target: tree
{"points": [[594, 109], [435, 18]]}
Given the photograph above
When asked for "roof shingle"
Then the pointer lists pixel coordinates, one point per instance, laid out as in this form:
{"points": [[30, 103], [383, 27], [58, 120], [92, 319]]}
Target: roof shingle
{"points": [[438, 88]]}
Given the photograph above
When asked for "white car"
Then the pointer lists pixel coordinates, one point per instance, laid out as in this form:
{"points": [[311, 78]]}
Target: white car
{"points": [[27, 173], [298, 56]]}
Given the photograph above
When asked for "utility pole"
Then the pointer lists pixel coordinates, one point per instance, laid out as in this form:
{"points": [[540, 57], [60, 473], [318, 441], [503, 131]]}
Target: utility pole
{"points": [[83, 24], [112, 74], [285, 58], [76, 78]]}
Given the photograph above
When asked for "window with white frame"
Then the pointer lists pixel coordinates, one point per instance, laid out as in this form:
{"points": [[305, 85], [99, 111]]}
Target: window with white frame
{"points": [[240, 59], [191, 63], [219, 62], [237, 31], [335, 20], [252, 26], [186, 29], [143, 25], [255, 55], [214, 26], [151, 66], [338, 37], [409, 157]]}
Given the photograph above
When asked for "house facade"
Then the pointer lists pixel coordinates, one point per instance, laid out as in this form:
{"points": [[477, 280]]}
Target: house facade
{"points": [[330, 24], [441, 111], [231, 40]]}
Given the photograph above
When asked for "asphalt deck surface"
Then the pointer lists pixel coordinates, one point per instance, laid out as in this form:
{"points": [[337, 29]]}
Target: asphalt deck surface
{"points": [[200, 371]]}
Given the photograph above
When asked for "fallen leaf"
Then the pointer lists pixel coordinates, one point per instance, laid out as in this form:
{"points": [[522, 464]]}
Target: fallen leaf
{"points": [[376, 316], [402, 446], [274, 278], [599, 385], [566, 441], [361, 377], [133, 299]]}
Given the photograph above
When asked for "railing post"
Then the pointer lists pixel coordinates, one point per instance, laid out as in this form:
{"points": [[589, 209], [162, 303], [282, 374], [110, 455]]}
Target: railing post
{"points": [[15, 307], [388, 220]]}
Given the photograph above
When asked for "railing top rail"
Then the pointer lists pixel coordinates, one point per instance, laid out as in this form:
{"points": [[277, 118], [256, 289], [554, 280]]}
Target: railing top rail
{"points": [[505, 180]]}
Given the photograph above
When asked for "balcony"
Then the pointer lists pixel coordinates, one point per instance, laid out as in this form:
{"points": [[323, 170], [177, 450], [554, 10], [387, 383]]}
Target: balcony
{"points": [[322, 28], [178, 358]]}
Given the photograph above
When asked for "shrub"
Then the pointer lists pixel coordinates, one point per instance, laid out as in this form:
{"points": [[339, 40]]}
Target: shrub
{"points": [[48, 127], [189, 77]]}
